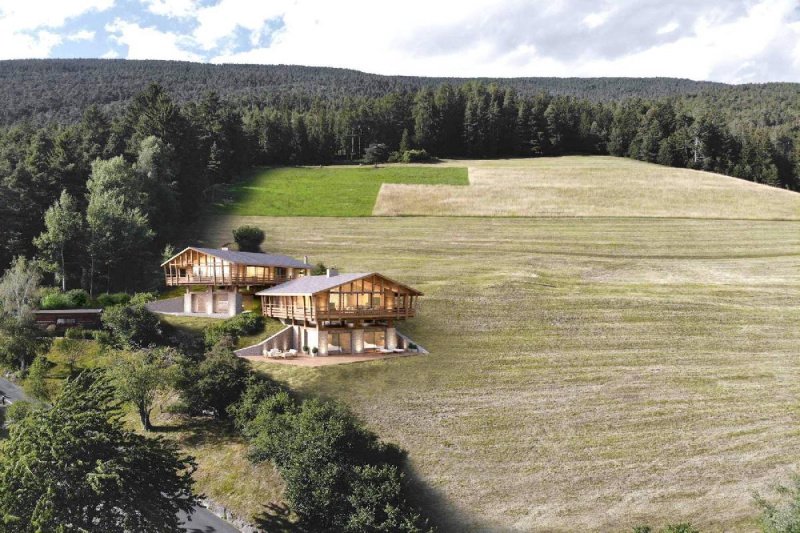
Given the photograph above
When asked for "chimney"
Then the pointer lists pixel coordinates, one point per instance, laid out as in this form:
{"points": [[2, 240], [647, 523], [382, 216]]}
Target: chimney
{"points": [[305, 259], [332, 272], [225, 248]]}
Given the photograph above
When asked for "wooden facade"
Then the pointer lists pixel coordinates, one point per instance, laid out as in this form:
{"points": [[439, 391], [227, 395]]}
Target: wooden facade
{"points": [[62, 319], [373, 297], [196, 267]]}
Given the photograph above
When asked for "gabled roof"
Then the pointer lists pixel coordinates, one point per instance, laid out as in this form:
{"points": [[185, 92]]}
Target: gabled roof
{"points": [[310, 285], [246, 258]]}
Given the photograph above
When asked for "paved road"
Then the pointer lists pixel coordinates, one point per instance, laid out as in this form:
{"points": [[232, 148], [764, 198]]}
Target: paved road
{"points": [[204, 521], [11, 391], [201, 521]]}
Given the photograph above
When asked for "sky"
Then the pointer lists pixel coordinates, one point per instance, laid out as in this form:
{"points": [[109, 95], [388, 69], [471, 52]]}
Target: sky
{"points": [[733, 41]]}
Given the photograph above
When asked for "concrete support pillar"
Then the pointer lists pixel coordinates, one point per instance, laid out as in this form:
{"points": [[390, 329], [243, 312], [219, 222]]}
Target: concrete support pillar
{"points": [[210, 301], [391, 338], [234, 302], [322, 342], [313, 340], [187, 301], [358, 341]]}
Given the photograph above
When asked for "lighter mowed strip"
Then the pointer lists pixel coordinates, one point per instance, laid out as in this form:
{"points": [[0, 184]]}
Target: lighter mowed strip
{"points": [[589, 186], [585, 374], [345, 191]]}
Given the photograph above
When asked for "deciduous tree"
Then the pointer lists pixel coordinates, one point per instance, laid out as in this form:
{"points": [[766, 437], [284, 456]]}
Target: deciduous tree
{"points": [[76, 468]]}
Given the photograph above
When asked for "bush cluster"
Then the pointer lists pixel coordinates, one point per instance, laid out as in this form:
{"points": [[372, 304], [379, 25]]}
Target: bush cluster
{"points": [[411, 156], [130, 326], [212, 383], [110, 300], [238, 326], [78, 333], [338, 475], [74, 299]]}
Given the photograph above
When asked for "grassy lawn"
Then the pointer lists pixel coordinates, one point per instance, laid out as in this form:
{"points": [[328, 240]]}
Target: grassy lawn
{"points": [[585, 374], [328, 191]]}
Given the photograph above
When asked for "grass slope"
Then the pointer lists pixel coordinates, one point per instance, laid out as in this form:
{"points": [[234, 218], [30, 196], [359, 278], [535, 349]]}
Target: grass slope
{"points": [[328, 191], [586, 374], [590, 186]]}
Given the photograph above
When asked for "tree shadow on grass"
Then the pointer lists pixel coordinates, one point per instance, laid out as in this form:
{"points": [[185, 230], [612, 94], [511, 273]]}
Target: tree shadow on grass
{"points": [[443, 514], [200, 431], [278, 518]]}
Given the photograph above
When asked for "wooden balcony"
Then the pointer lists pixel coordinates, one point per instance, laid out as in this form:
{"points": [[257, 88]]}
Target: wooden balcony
{"points": [[226, 280], [311, 314]]}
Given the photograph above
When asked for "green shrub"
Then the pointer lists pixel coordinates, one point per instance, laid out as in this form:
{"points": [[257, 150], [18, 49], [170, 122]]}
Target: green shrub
{"points": [[103, 337], [338, 475], [35, 383], [177, 408], [132, 325], [415, 156], [215, 382], [56, 300], [74, 299], [249, 238], [238, 326], [143, 298], [78, 297], [78, 333], [110, 300], [18, 411]]}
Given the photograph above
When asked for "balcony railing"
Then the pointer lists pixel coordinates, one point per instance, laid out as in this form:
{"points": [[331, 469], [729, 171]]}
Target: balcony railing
{"points": [[225, 280], [312, 314]]}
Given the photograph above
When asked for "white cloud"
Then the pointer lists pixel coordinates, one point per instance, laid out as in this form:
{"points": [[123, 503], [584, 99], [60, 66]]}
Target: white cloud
{"points": [[669, 27], [593, 20], [725, 40], [83, 35], [150, 43], [476, 40], [111, 54], [25, 26], [171, 8], [218, 22]]}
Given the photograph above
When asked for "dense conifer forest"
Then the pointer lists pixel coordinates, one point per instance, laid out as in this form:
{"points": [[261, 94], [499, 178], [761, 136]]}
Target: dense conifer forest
{"points": [[101, 161]]}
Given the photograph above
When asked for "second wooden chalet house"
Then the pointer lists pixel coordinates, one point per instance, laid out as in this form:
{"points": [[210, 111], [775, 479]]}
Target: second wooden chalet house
{"points": [[341, 313], [224, 275]]}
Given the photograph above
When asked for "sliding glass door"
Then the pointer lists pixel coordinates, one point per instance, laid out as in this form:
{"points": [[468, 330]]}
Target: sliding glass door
{"points": [[339, 343]]}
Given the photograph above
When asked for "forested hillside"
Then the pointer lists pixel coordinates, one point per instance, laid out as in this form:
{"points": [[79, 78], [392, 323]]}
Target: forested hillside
{"points": [[59, 89], [103, 162]]}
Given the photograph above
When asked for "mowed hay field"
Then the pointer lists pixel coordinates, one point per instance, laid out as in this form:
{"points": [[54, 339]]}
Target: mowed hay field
{"points": [[585, 374], [588, 186]]}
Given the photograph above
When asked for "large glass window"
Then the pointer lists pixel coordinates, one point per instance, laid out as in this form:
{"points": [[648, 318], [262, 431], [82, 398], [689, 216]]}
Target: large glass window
{"points": [[339, 343], [374, 340]]}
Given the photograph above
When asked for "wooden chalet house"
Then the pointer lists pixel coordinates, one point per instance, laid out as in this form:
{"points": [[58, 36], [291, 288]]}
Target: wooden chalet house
{"points": [[225, 275], [341, 313]]}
